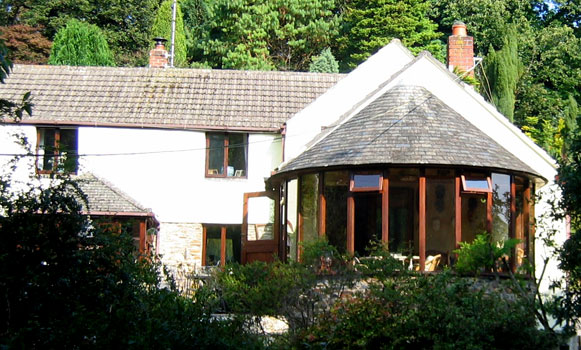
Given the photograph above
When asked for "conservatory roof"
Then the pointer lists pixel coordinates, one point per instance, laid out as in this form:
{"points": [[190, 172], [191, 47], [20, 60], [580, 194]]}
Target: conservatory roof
{"points": [[407, 125]]}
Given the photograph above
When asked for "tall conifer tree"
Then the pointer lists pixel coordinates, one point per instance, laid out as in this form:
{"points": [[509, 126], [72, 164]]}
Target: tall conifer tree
{"points": [[162, 28], [80, 44], [368, 25], [502, 70]]}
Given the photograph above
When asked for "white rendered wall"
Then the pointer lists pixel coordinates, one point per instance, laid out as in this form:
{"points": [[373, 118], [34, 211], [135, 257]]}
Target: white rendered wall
{"points": [[162, 169], [9, 147], [170, 179]]}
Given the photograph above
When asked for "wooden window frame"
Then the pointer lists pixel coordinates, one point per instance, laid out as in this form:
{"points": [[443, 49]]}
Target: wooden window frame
{"points": [[57, 152], [209, 174], [466, 189], [223, 239], [378, 188]]}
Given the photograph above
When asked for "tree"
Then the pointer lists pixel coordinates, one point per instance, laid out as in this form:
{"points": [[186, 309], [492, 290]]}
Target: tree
{"points": [[486, 20], [26, 44], [245, 34], [503, 69], [196, 16], [125, 23], [81, 44], [369, 25], [551, 75], [569, 180], [324, 63], [162, 28]]}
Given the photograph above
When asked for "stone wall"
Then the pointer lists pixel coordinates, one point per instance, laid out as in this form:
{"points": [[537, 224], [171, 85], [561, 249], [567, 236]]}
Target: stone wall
{"points": [[180, 244]]}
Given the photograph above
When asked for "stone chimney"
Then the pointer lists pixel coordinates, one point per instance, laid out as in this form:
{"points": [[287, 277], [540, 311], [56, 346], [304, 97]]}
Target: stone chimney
{"points": [[461, 49], [158, 55]]}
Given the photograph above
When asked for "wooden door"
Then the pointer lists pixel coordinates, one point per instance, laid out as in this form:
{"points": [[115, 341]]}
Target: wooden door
{"points": [[260, 232]]}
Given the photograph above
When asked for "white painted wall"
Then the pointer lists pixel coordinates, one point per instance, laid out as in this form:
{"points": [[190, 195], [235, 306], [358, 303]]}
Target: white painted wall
{"points": [[173, 182], [164, 169]]}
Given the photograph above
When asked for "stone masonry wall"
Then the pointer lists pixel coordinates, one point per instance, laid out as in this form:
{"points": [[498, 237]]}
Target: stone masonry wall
{"points": [[181, 245]]}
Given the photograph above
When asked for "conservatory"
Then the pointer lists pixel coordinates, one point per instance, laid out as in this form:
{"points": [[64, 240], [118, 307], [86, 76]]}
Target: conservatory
{"points": [[408, 171]]}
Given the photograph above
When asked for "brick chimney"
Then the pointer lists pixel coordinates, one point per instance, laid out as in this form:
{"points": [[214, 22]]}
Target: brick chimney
{"points": [[158, 55], [461, 49]]}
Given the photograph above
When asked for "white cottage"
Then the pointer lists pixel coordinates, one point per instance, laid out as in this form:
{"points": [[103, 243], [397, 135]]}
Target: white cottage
{"points": [[399, 150]]}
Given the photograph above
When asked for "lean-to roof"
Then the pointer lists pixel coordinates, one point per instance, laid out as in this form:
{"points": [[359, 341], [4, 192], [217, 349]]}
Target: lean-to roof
{"points": [[105, 199]]}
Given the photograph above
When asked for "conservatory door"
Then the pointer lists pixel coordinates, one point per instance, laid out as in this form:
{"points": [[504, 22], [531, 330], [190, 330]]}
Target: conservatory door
{"points": [[260, 233]]}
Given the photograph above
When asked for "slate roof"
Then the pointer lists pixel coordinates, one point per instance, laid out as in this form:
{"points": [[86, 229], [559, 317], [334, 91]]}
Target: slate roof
{"points": [[404, 126], [104, 198], [167, 98]]}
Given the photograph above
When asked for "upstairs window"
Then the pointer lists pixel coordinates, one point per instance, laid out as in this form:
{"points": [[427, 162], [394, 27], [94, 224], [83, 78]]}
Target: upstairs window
{"points": [[226, 155], [57, 150]]}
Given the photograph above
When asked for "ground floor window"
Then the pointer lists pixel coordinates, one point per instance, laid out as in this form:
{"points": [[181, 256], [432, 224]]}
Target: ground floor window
{"points": [[222, 244]]}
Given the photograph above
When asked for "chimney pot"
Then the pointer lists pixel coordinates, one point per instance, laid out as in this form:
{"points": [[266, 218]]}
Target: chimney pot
{"points": [[459, 29]]}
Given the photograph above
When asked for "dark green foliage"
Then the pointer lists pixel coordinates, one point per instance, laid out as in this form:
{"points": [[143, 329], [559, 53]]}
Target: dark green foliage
{"points": [[284, 35], [80, 44], [125, 23], [426, 312], [502, 71], [162, 28], [486, 20], [69, 283], [324, 63], [482, 254], [570, 180], [369, 25], [297, 291], [9, 109], [196, 15]]}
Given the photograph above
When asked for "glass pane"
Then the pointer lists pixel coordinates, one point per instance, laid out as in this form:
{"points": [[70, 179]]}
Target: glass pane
{"points": [[440, 216], [336, 192], [500, 207], [403, 209], [309, 206], [366, 180], [233, 243], [68, 149], [367, 221], [237, 155], [260, 219], [520, 224], [292, 222], [473, 216], [213, 244], [46, 149], [478, 184], [216, 154]]}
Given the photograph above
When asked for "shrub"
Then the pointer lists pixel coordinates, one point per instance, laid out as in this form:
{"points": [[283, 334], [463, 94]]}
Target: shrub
{"points": [[426, 312], [482, 255]]}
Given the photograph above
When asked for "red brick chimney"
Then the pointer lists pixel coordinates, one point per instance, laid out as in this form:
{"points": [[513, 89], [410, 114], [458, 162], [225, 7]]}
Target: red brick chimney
{"points": [[158, 55], [461, 49]]}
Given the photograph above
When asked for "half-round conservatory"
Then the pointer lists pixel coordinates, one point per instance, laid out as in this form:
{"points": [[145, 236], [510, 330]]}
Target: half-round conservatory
{"points": [[411, 172]]}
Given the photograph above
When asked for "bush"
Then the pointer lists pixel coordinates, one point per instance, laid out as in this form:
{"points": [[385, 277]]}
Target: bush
{"points": [[482, 255], [65, 283], [426, 312]]}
